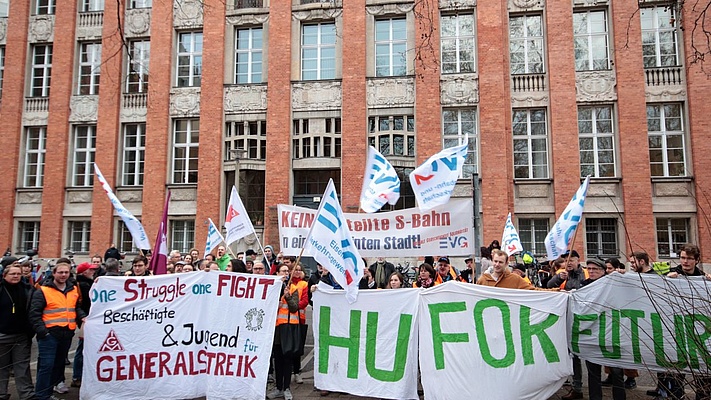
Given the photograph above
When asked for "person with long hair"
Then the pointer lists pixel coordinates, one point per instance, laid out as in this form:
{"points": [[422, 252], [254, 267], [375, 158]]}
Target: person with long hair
{"points": [[288, 314], [426, 276]]}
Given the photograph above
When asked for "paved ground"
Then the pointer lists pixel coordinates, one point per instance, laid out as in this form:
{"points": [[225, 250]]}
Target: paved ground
{"points": [[306, 390]]}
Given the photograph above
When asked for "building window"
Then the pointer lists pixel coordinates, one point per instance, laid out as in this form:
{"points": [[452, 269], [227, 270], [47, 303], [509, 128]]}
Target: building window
{"points": [[134, 148], [79, 236], [125, 239], [44, 7], [316, 138], [249, 4], [4, 8], [391, 47], [526, 44], [189, 59], [407, 195], [182, 235], [659, 48], [29, 234], [140, 4], [532, 232], [458, 124], [35, 142], [139, 52], [250, 137], [392, 135], [458, 43], [601, 237], [248, 55], [41, 70], [185, 150], [2, 67], [318, 51], [84, 149], [672, 234], [530, 141], [591, 46], [92, 5], [666, 139], [89, 68], [597, 142], [252, 189], [313, 182]]}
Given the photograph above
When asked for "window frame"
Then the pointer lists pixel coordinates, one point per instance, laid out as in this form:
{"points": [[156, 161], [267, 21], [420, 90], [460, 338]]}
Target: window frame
{"points": [[39, 152], [460, 41], [137, 66], [250, 52], [22, 233], [529, 67], [657, 30], [137, 4], [599, 231], [194, 58], [187, 146], [138, 151], [187, 242], [670, 233], [595, 137], [124, 236], [2, 67], [316, 143], [45, 69], [83, 171], [320, 48], [45, 7], [665, 136], [529, 137], [391, 42], [471, 162], [247, 136], [408, 133], [92, 5], [4, 8], [89, 68], [84, 232], [589, 37], [535, 233]]}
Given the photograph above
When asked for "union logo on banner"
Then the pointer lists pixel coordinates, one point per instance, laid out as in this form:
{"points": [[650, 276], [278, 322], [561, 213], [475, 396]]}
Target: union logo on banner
{"points": [[111, 343], [231, 213]]}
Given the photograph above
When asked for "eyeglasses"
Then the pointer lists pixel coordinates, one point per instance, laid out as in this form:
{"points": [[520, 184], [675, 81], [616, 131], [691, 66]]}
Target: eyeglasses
{"points": [[258, 269]]}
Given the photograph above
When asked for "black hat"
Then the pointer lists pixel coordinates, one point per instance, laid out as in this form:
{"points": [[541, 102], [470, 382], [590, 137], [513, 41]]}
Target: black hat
{"points": [[595, 262], [250, 252], [7, 261], [520, 267], [572, 253], [444, 260], [466, 260]]}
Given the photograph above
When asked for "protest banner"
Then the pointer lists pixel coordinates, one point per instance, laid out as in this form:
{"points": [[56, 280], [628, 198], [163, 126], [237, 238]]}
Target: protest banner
{"points": [[513, 341], [445, 229], [510, 241], [643, 321], [368, 348], [380, 183], [559, 237], [433, 181], [145, 336]]}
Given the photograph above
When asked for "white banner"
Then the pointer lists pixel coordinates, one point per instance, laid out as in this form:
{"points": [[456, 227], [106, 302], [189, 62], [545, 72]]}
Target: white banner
{"points": [[510, 241], [445, 229], [558, 238], [368, 348], [497, 343], [434, 180], [214, 237], [644, 321], [180, 336], [380, 183], [237, 222]]}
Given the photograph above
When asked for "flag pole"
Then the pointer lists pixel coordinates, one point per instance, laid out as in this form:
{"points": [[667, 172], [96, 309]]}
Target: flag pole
{"points": [[570, 246]]}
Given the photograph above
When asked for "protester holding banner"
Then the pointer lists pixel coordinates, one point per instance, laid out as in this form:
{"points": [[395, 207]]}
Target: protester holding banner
{"points": [[573, 275], [396, 281], [15, 333], [425, 278], [446, 272], [469, 274], [501, 276], [299, 284], [381, 270], [270, 259], [138, 267], [596, 270], [367, 281], [286, 337], [54, 312], [222, 258], [85, 278]]}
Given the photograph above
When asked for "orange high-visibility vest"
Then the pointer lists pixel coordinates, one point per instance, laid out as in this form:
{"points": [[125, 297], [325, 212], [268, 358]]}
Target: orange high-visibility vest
{"points": [[302, 286], [585, 272], [61, 308], [283, 315]]}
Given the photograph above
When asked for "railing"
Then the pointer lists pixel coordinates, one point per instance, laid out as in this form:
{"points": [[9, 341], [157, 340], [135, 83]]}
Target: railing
{"points": [[134, 100], [90, 19], [316, 1], [528, 83], [36, 104], [249, 3], [664, 76]]}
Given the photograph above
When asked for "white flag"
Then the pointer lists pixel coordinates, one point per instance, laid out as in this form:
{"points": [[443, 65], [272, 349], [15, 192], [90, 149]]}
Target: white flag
{"points": [[237, 221], [434, 180], [214, 237], [380, 183], [511, 242], [330, 243], [138, 233], [558, 239]]}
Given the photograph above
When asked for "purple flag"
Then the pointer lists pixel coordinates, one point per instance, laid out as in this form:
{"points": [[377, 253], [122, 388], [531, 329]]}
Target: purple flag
{"points": [[160, 250]]}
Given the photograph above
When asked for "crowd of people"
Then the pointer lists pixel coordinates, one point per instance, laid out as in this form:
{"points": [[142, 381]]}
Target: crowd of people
{"points": [[51, 307]]}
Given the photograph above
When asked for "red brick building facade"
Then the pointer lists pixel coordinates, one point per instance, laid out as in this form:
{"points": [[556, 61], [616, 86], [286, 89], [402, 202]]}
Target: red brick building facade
{"points": [[278, 96]]}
